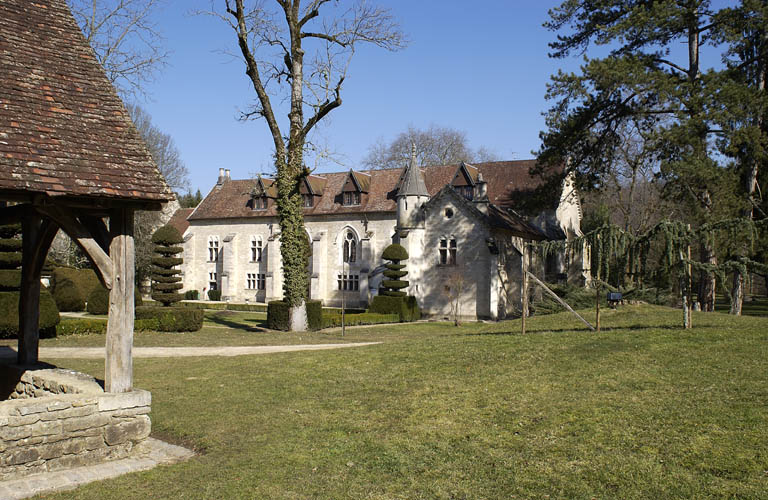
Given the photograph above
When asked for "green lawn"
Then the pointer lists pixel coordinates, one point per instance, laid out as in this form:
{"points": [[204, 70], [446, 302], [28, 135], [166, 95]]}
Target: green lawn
{"points": [[640, 410], [753, 306]]}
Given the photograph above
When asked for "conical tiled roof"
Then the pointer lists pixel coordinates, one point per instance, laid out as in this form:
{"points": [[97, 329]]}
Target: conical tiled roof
{"points": [[412, 183]]}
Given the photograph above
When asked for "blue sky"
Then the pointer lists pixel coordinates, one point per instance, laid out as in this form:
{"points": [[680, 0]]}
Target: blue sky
{"points": [[480, 67]]}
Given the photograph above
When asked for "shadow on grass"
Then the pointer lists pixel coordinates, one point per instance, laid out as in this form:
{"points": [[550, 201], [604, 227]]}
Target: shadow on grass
{"points": [[223, 321], [603, 329]]}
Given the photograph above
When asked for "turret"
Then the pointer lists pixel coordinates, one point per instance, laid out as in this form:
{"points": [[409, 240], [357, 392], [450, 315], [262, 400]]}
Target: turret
{"points": [[411, 195]]}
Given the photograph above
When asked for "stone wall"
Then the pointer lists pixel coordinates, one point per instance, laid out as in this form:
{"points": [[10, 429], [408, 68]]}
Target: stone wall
{"points": [[59, 419]]}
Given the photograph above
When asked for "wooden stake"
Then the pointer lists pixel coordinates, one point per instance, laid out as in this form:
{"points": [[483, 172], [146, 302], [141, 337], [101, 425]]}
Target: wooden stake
{"points": [[525, 288], [597, 306], [690, 284], [561, 301], [119, 360]]}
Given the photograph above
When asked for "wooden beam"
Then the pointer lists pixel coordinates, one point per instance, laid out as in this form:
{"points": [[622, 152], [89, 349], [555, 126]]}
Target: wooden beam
{"points": [[14, 214], [84, 239], [98, 230], [37, 235], [561, 301], [119, 360]]}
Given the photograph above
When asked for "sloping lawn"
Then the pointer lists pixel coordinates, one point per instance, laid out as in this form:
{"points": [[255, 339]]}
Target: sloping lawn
{"points": [[641, 410]]}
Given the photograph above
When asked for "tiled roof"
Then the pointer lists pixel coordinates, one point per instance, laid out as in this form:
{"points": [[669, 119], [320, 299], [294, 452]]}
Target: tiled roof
{"points": [[63, 129], [506, 181], [179, 219]]}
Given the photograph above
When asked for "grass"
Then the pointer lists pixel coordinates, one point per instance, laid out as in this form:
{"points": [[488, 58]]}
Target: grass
{"points": [[640, 410], [754, 306]]}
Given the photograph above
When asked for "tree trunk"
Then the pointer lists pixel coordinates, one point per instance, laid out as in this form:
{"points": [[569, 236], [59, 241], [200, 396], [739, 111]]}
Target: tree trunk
{"points": [[707, 280], [737, 293]]}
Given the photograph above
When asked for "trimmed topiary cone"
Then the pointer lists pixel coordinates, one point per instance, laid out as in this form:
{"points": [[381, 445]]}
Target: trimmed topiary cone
{"points": [[394, 285], [165, 278]]}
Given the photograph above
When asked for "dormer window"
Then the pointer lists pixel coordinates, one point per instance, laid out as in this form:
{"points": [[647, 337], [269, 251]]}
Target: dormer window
{"points": [[351, 198], [467, 192], [259, 202], [308, 200]]}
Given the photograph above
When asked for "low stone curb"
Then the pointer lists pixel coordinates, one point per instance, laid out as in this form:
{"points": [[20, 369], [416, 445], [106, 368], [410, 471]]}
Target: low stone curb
{"points": [[148, 455]]}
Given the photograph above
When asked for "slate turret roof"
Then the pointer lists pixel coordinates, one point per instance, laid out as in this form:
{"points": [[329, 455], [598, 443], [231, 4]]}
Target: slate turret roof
{"points": [[412, 182], [63, 129]]}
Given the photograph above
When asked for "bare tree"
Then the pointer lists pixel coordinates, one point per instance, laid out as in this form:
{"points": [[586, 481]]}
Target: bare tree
{"points": [[162, 148], [434, 146], [300, 54], [125, 39]]}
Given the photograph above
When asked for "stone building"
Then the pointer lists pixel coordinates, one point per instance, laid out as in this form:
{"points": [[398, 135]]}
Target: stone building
{"points": [[458, 222]]}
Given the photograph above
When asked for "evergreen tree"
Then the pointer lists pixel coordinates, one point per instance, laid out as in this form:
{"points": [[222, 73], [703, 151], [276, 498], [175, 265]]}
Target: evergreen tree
{"points": [[165, 276], [643, 83], [395, 271]]}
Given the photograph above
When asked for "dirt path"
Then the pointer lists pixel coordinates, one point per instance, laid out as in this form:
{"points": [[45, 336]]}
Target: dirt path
{"points": [[177, 352]]}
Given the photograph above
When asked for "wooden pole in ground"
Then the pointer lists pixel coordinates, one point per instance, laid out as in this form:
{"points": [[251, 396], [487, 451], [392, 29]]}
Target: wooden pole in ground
{"points": [[119, 356], [597, 306], [690, 284], [561, 301], [525, 288]]}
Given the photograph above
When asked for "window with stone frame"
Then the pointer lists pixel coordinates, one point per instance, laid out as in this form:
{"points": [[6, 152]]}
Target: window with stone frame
{"points": [[351, 198], [213, 282], [308, 200], [261, 281], [447, 251], [250, 281], [213, 249], [257, 249], [349, 248], [348, 282]]}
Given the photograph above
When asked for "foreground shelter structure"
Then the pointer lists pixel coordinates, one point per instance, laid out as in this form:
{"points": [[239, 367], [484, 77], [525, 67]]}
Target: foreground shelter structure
{"points": [[70, 159]]}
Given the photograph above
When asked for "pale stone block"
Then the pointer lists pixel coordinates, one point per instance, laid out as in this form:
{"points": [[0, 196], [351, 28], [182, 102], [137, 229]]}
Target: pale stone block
{"points": [[87, 422], [123, 400], [26, 420], [80, 411], [135, 430], [59, 405]]}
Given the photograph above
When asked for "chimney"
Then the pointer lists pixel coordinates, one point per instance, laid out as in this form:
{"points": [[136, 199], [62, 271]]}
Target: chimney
{"points": [[226, 173], [481, 194], [221, 177]]}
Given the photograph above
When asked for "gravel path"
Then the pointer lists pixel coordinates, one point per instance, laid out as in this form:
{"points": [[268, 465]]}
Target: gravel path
{"points": [[179, 352]]}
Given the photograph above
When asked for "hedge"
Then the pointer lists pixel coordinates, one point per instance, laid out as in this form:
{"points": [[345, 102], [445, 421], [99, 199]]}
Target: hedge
{"points": [[222, 306], [10, 279], [368, 318], [278, 315], [191, 295], [94, 326], [98, 301], [406, 308], [173, 319], [9, 314], [214, 295]]}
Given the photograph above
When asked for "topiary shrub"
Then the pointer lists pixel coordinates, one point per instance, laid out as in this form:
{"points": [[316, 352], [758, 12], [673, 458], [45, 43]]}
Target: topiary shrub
{"points": [[98, 301], [68, 296], [84, 279], [166, 281], [10, 282], [172, 319], [406, 308], [393, 286], [214, 295], [279, 315], [191, 295]]}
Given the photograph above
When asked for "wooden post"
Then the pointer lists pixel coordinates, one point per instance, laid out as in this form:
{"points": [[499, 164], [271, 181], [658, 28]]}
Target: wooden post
{"points": [[690, 284], [597, 306], [561, 301], [119, 360], [37, 236], [525, 287]]}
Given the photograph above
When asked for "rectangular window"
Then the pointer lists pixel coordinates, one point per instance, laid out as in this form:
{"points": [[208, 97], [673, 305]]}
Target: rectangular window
{"points": [[308, 200], [250, 281], [447, 252], [348, 282], [351, 198], [256, 250], [212, 281], [213, 250], [467, 192], [261, 281], [259, 203]]}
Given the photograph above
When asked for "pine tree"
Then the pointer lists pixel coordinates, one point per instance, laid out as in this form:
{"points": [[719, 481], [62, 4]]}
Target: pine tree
{"points": [[165, 275], [672, 101]]}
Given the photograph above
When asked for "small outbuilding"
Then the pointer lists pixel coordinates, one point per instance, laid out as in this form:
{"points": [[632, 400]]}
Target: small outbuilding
{"points": [[70, 159]]}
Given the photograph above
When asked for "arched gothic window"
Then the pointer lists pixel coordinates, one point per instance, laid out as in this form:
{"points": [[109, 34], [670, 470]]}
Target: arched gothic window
{"points": [[350, 247]]}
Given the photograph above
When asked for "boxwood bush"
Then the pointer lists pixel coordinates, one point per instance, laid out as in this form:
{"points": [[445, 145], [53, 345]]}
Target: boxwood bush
{"points": [[9, 314], [278, 315], [173, 319], [214, 295], [191, 295], [98, 301], [97, 326], [368, 318], [406, 308]]}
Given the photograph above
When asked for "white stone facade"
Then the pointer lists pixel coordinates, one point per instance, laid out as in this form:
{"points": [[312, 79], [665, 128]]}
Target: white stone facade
{"points": [[465, 254]]}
